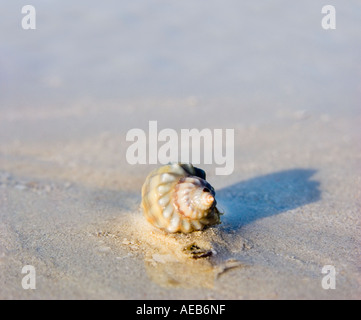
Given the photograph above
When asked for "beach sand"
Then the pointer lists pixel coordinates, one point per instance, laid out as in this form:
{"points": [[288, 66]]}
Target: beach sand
{"points": [[70, 202]]}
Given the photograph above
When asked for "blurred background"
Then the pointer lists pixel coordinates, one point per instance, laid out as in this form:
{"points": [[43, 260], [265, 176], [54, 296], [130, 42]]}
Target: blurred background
{"points": [[92, 71], [250, 54], [71, 89]]}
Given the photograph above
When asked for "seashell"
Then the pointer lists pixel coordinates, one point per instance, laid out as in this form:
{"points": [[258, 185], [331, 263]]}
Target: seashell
{"points": [[177, 198]]}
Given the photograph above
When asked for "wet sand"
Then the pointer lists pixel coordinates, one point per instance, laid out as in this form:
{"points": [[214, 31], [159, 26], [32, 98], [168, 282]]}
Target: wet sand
{"points": [[70, 202]]}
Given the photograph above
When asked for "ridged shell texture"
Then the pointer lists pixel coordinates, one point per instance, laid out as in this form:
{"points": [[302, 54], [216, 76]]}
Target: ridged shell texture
{"points": [[177, 198]]}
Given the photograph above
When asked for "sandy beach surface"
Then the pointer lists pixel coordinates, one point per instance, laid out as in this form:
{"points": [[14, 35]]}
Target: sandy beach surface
{"points": [[70, 202]]}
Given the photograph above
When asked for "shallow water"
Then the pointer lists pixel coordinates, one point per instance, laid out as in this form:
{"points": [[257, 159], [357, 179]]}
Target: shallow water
{"points": [[70, 91]]}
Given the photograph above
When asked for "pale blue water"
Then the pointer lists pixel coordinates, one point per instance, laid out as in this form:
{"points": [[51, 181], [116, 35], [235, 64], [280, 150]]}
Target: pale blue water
{"points": [[260, 53], [71, 89]]}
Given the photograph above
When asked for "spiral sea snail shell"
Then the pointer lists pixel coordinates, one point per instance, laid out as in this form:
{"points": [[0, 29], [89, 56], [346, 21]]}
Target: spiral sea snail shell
{"points": [[177, 198]]}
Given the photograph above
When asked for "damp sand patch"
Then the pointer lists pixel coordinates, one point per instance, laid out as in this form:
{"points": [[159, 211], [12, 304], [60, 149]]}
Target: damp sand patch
{"points": [[193, 260]]}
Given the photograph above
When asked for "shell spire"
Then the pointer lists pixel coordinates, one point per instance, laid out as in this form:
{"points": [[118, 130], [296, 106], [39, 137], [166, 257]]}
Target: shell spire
{"points": [[177, 198], [206, 201]]}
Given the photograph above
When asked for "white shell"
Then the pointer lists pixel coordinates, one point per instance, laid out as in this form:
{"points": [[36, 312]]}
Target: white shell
{"points": [[177, 198]]}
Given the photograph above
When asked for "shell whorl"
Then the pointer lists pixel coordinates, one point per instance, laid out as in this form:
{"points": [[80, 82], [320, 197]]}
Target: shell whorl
{"points": [[177, 198], [193, 197]]}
